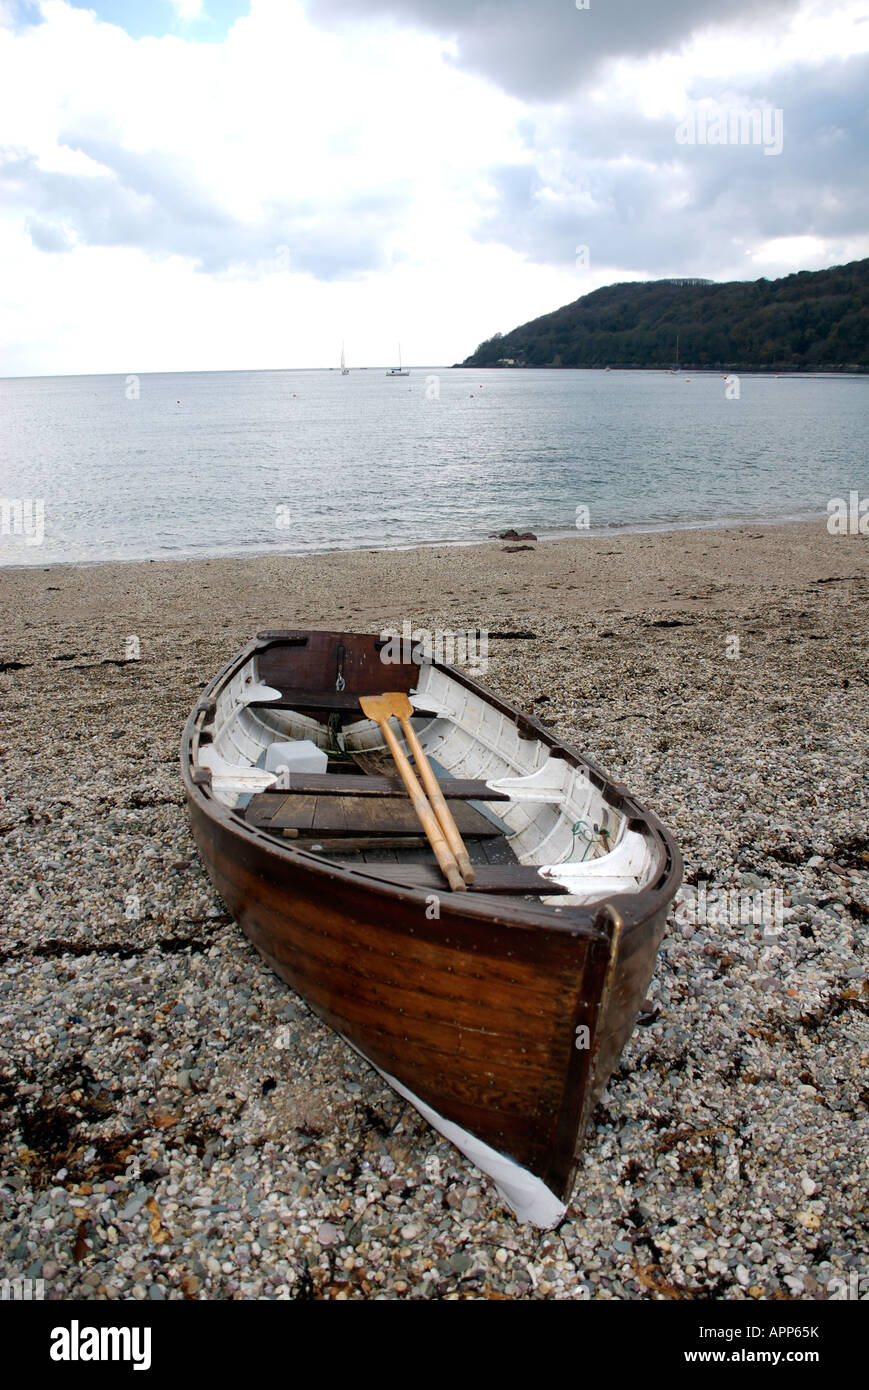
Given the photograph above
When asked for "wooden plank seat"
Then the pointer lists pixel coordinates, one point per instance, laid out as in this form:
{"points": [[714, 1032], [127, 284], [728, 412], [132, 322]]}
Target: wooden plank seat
{"points": [[520, 879], [336, 816], [327, 701], [358, 784]]}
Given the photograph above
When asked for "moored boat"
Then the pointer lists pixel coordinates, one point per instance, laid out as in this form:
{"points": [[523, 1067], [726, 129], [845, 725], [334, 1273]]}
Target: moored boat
{"points": [[399, 370], [499, 1011]]}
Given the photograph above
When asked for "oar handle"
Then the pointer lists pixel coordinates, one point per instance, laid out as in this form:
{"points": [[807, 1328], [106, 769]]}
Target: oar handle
{"points": [[439, 805], [427, 818]]}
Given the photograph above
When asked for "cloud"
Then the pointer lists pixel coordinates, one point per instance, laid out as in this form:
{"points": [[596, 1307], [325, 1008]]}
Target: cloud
{"points": [[47, 236], [670, 207], [155, 202], [273, 150], [544, 49], [187, 9], [375, 176]]}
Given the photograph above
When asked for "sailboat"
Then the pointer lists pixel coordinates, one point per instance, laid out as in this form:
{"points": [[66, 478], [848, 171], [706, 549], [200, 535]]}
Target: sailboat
{"points": [[345, 370], [397, 371], [675, 366]]}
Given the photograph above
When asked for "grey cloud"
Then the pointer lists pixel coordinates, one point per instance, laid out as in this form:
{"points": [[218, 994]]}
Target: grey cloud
{"points": [[46, 237], [155, 202], [627, 214], [543, 49]]}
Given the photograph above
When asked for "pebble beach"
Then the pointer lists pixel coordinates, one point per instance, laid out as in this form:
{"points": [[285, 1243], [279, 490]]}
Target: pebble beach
{"points": [[177, 1124]]}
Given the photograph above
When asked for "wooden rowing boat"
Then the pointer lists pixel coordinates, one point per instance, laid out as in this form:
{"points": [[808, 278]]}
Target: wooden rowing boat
{"points": [[499, 1011]]}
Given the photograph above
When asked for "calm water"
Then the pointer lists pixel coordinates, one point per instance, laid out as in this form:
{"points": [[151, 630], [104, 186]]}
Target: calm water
{"points": [[240, 462]]}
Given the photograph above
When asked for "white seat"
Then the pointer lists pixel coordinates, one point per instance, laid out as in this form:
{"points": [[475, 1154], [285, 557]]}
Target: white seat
{"points": [[620, 871]]}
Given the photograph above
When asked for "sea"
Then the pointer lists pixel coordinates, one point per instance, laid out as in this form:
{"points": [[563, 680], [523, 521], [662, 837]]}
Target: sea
{"points": [[160, 466]]}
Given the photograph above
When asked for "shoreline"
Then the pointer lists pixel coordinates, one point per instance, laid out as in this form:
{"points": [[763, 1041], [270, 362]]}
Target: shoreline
{"points": [[809, 373], [699, 570], [579, 534]]}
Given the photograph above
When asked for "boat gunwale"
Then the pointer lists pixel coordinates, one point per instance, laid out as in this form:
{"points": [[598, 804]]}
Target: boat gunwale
{"points": [[635, 908]]}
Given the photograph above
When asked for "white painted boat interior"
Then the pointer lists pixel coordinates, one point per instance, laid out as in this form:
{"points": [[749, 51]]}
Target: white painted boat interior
{"points": [[556, 818]]}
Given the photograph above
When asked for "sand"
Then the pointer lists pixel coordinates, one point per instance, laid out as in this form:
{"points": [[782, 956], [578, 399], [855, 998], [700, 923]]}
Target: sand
{"points": [[699, 571]]}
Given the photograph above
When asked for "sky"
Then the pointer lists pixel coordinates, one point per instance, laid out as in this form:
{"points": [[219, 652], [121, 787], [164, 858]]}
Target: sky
{"points": [[227, 184]]}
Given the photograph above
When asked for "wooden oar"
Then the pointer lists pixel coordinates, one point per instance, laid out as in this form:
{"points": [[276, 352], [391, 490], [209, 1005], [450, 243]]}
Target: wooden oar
{"points": [[403, 711], [400, 706], [377, 707]]}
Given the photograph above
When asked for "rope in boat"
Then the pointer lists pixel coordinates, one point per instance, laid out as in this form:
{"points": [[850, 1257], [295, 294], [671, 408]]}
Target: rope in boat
{"points": [[580, 831], [334, 747], [587, 834]]}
